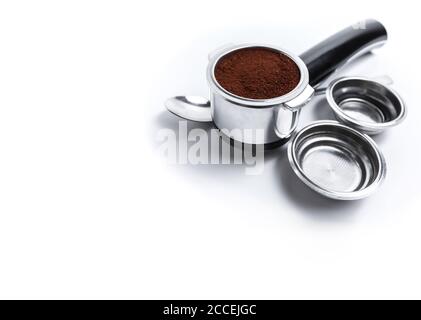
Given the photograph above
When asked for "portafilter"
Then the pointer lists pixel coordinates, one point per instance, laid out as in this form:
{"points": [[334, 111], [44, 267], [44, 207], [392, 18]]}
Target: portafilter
{"points": [[277, 118]]}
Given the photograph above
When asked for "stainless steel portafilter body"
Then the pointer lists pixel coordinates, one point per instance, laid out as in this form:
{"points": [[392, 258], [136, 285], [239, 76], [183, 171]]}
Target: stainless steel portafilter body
{"points": [[268, 120]]}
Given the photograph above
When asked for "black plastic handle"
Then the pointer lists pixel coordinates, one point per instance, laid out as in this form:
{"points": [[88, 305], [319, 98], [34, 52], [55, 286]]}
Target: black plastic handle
{"points": [[329, 55]]}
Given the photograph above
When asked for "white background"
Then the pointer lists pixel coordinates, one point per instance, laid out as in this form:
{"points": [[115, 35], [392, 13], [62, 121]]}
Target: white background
{"points": [[90, 209]]}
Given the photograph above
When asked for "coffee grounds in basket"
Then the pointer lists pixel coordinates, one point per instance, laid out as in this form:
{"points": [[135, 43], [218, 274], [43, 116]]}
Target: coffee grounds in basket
{"points": [[257, 73]]}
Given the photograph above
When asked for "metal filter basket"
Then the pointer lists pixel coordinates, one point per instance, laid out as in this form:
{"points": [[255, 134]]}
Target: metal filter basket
{"points": [[337, 161], [365, 104]]}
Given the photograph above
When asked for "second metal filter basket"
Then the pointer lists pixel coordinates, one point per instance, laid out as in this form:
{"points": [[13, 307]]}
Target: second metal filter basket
{"points": [[337, 161]]}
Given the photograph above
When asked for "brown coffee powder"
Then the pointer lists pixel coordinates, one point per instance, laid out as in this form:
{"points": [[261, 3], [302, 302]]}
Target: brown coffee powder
{"points": [[257, 73]]}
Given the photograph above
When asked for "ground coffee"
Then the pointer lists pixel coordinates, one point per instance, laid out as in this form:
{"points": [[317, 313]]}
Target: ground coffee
{"points": [[257, 73]]}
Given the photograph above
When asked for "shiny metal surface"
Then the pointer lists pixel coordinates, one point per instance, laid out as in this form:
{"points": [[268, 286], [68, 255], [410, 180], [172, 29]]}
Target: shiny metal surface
{"points": [[277, 118], [190, 107], [337, 161], [365, 104]]}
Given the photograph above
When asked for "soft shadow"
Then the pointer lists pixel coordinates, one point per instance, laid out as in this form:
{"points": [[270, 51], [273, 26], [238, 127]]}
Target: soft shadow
{"points": [[311, 202], [381, 137], [321, 110], [166, 120]]}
